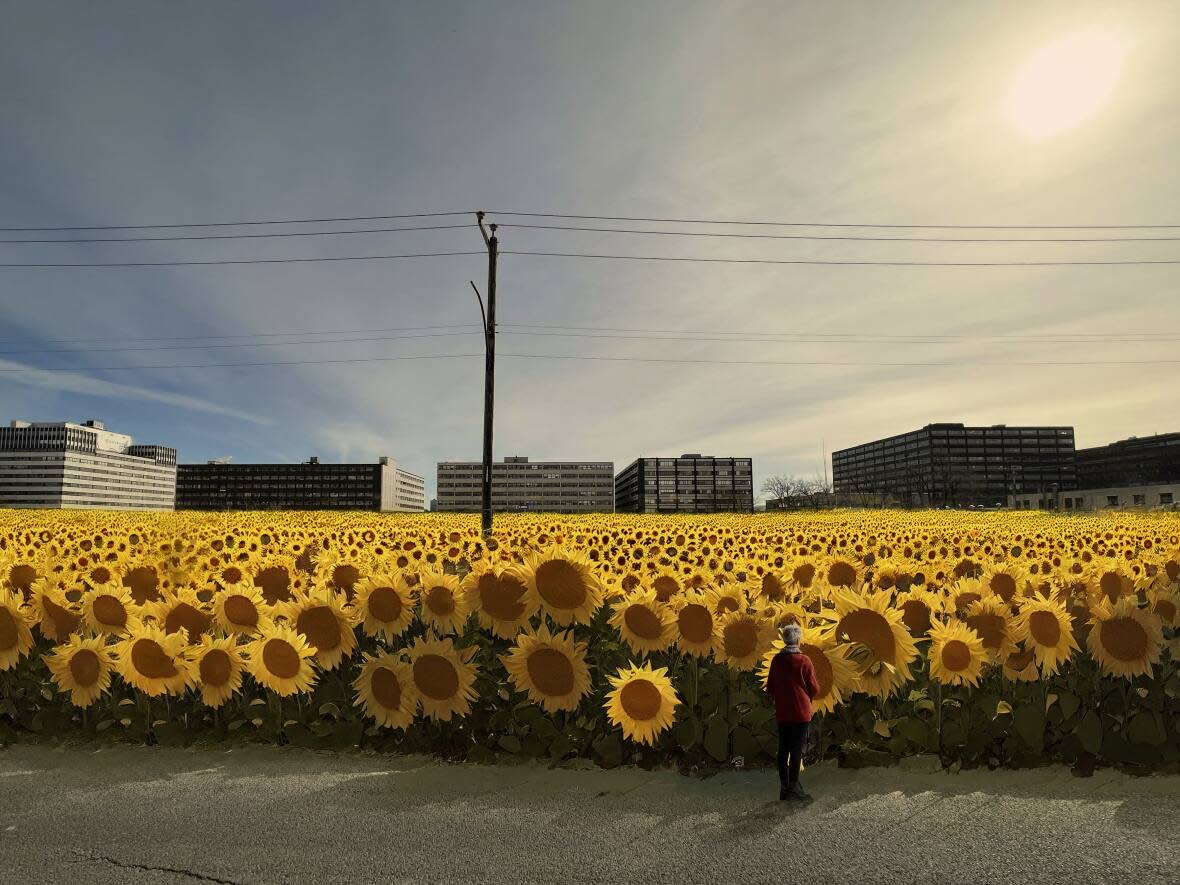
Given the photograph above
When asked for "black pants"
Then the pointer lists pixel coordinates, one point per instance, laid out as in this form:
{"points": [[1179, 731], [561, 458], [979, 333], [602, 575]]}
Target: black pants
{"points": [[790, 750]]}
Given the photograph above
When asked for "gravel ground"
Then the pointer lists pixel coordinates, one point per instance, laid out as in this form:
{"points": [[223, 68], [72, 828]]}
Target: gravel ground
{"points": [[268, 815]]}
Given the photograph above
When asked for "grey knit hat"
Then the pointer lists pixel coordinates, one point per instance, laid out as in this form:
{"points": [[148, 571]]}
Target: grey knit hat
{"points": [[792, 633]]}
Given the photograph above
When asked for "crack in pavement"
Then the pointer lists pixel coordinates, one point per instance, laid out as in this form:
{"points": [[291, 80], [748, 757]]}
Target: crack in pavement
{"points": [[202, 877]]}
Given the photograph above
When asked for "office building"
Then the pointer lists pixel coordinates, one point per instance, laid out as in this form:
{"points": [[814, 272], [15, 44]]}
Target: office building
{"points": [[308, 486], [531, 486], [688, 484], [1137, 461], [953, 465], [83, 466], [1164, 496]]}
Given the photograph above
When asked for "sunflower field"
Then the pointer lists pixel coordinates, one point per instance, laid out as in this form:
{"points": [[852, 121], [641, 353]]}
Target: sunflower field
{"points": [[997, 638]]}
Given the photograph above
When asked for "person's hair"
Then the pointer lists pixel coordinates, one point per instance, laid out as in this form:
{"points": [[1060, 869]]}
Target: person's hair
{"points": [[792, 633]]}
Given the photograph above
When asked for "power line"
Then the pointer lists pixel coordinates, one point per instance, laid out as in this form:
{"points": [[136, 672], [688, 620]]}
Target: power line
{"points": [[808, 339], [841, 237], [236, 261], [842, 261], [313, 233], [238, 345], [250, 335], [621, 359], [832, 224], [329, 220]]}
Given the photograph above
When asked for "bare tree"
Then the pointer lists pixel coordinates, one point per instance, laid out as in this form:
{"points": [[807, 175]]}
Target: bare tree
{"points": [[777, 487]]}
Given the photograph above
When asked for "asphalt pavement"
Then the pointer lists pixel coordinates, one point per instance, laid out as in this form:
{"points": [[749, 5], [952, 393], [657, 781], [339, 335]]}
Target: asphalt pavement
{"points": [[263, 815]]}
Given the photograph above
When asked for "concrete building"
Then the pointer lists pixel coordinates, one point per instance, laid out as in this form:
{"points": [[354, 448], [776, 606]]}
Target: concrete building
{"points": [[83, 466], [1141, 497], [1137, 461], [954, 465], [688, 484], [522, 485], [308, 486]]}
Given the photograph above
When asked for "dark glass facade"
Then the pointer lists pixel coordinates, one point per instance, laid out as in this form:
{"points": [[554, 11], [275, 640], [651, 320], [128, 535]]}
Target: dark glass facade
{"points": [[1137, 461], [278, 487], [688, 484], [955, 465]]}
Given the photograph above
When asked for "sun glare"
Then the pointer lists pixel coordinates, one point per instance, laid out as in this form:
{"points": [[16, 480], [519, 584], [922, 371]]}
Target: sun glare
{"points": [[1064, 82]]}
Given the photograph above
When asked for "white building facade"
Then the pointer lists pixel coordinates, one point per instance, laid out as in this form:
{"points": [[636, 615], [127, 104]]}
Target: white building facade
{"points": [[83, 466], [1144, 497], [401, 490]]}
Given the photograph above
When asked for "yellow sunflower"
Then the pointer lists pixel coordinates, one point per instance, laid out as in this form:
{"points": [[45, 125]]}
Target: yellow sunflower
{"points": [[339, 571], [666, 583], [385, 690], [882, 646], [642, 702], [500, 597], [19, 571], [1124, 639], [565, 586], [919, 610], [180, 609], [839, 571], [956, 654], [278, 579], [1021, 666], [82, 666], [57, 618], [1005, 580], [991, 619], [441, 603], [153, 661], [550, 668], [240, 608], [280, 659], [741, 639], [16, 637], [1166, 604], [217, 665], [384, 604], [644, 622], [723, 599], [694, 624], [1111, 581], [142, 581], [109, 608], [322, 618], [1043, 626], [443, 677]]}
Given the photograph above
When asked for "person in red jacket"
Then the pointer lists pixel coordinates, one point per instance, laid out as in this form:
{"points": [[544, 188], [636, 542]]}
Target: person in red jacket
{"points": [[792, 685]]}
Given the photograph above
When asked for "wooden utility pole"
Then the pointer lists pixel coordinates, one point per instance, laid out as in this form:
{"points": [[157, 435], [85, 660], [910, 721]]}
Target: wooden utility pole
{"points": [[489, 375]]}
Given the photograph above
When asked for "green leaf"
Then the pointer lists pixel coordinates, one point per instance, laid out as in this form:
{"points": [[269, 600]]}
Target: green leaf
{"points": [[330, 709], [717, 739], [687, 733], [1144, 729], [509, 743], [1002, 708], [1069, 703], [925, 705], [1029, 724], [745, 745], [560, 747], [609, 750], [1089, 733]]}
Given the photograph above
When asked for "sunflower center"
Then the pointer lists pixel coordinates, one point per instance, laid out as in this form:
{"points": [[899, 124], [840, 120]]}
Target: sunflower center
{"points": [[956, 656], [344, 576], [1044, 628], [387, 691], [109, 611], [281, 659], [84, 667], [275, 583], [100, 574], [215, 668], [436, 677], [1112, 585], [804, 574], [150, 660], [640, 699], [1004, 586], [501, 597], [320, 626], [1124, 639], [142, 581], [1166, 609], [1171, 569], [665, 587], [440, 600], [643, 622], [726, 604], [22, 576], [385, 605], [695, 622], [823, 669], [232, 574], [841, 574], [63, 621], [990, 629], [964, 600], [915, 614], [560, 584], [8, 631], [771, 588], [870, 629], [551, 672], [740, 638], [184, 615], [241, 611]]}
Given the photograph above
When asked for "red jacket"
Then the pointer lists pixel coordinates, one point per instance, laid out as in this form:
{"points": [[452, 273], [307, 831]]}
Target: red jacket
{"points": [[792, 684]]}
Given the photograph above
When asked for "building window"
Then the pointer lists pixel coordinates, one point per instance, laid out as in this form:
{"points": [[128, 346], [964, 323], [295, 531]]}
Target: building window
{"points": [[1165, 497], [1112, 500], [1140, 499]]}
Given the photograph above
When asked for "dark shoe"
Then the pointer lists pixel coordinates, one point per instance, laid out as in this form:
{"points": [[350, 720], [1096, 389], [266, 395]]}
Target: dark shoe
{"points": [[796, 791]]}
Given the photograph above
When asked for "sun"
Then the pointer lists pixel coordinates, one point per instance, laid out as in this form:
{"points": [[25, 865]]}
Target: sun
{"points": [[1065, 82]]}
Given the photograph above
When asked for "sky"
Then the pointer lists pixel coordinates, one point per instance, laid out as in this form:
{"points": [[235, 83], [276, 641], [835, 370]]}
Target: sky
{"points": [[830, 113]]}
